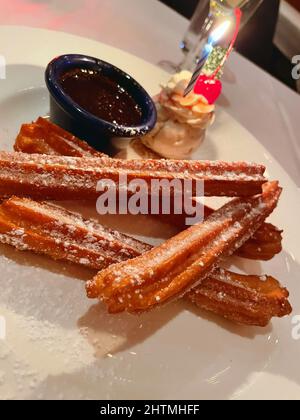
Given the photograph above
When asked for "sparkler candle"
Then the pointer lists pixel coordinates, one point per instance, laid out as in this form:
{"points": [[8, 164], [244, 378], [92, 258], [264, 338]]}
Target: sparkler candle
{"points": [[208, 86], [183, 115]]}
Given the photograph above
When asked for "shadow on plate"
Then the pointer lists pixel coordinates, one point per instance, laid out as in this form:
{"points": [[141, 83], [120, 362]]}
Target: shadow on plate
{"points": [[126, 330]]}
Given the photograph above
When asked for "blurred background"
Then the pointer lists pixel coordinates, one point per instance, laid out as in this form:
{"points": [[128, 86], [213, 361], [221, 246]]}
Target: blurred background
{"points": [[270, 39], [154, 30]]}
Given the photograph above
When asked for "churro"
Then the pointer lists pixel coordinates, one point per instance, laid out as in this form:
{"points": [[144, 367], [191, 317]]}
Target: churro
{"points": [[247, 300], [48, 229], [61, 177], [262, 246], [184, 265], [44, 137], [63, 235], [180, 264]]}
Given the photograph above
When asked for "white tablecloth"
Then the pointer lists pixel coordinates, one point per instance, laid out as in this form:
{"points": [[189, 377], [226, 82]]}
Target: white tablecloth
{"points": [[147, 28]]}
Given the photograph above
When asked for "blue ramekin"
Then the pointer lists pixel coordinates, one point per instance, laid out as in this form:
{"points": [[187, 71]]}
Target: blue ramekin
{"points": [[70, 116]]}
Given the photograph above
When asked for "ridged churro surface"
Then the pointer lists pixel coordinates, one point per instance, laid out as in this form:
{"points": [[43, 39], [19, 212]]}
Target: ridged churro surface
{"points": [[181, 263]]}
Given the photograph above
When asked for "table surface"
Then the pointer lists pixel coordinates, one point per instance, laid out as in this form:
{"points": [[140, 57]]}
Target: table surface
{"points": [[150, 30], [287, 37]]}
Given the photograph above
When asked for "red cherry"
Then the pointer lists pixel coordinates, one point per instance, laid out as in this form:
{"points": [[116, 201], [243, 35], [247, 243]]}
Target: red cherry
{"points": [[209, 88]]}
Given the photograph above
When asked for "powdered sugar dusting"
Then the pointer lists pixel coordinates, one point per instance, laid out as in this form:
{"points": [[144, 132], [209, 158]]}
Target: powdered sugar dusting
{"points": [[181, 263], [78, 176], [65, 235]]}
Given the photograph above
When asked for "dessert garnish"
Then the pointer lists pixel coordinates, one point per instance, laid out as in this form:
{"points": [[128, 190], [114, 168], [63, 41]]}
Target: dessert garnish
{"points": [[182, 121]]}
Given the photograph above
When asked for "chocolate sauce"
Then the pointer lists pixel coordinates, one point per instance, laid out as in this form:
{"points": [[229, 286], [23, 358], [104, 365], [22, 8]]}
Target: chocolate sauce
{"points": [[101, 96]]}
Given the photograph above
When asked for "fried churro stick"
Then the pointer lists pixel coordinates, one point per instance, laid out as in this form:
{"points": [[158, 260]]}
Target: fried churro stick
{"points": [[44, 137], [247, 300], [62, 235], [48, 229], [262, 246], [54, 177], [180, 264]]}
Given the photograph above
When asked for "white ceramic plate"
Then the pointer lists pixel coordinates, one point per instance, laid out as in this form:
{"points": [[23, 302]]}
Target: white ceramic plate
{"points": [[61, 345]]}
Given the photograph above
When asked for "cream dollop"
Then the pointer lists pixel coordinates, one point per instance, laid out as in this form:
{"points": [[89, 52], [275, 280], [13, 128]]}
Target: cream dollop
{"points": [[182, 121]]}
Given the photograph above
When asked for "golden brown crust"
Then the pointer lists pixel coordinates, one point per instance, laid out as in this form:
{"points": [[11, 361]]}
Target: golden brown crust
{"points": [[181, 263], [44, 137], [247, 300], [63, 235], [48, 229], [64, 177], [263, 246]]}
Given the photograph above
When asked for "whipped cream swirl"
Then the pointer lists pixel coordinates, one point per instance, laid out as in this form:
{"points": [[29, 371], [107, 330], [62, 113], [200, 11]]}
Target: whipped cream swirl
{"points": [[182, 121]]}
